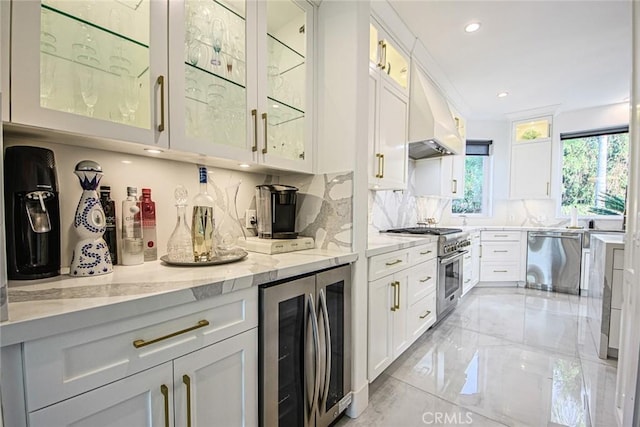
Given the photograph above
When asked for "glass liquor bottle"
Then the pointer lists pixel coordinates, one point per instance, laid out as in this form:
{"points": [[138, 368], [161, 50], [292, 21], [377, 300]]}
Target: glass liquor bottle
{"points": [[110, 234], [180, 245], [148, 209], [202, 222], [132, 244]]}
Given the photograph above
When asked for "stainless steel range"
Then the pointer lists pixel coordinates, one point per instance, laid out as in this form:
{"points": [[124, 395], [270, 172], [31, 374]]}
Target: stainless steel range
{"points": [[451, 249]]}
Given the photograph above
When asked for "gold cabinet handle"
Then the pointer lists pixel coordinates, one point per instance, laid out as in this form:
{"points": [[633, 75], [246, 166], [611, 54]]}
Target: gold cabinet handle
{"points": [[379, 157], [398, 289], [160, 82], [264, 118], [548, 187], [254, 114], [383, 55], [499, 271], [500, 235], [143, 343], [500, 251], [425, 315], [425, 253], [389, 264], [165, 392], [454, 186], [187, 382], [382, 172], [394, 285], [426, 279]]}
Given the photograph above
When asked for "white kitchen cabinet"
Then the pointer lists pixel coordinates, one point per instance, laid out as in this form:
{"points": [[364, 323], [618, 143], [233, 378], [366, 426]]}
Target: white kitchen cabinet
{"points": [[388, 115], [471, 264], [93, 68], [440, 176], [210, 344], [402, 302], [501, 256], [386, 56], [531, 157], [142, 399], [251, 102]]}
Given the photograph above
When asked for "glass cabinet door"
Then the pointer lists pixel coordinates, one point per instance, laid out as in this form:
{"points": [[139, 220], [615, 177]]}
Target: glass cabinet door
{"points": [[95, 71], [384, 55], [285, 74], [532, 130]]}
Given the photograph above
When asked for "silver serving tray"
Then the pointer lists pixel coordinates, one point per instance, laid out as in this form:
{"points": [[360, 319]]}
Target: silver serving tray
{"points": [[237, 255]]}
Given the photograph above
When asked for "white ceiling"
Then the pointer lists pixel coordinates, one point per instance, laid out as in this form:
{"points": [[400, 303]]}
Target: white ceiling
{"points": [[562, 54]]}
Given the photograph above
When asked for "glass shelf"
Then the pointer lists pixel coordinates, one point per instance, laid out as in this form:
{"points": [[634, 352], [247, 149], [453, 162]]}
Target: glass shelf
{"points": [[280, 113], [91, 46], [282, 56]]}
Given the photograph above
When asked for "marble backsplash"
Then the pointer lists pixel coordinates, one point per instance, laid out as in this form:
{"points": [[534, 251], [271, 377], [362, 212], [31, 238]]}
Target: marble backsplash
{"points": [[324, 201]]}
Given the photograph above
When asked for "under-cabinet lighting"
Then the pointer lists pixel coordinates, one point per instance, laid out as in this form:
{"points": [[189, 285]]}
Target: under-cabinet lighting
{"points": [[502, 94], [152, 150], [244, 165], [472, 27]]}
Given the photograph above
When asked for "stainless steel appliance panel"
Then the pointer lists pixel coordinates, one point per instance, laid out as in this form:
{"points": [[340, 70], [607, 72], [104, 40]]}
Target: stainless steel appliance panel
{"points": [[449, 285], [553, 261]]}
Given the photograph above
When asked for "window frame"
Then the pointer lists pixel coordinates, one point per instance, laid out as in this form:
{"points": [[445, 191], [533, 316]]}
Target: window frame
{"points": [[487, 196], [562, 136]]}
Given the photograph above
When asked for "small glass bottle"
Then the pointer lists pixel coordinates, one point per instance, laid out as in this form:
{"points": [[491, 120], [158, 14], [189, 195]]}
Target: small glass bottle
{"points": [[110, 234], [148, 208], [132, 244], [202, 221], [180, 245]]}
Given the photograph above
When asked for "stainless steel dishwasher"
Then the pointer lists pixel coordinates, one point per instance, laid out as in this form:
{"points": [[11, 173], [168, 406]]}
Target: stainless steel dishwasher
{"points": [[553, 261]]}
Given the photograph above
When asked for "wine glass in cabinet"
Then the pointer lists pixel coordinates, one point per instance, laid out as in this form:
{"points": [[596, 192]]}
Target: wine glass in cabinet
{"points": [[101, 68]]}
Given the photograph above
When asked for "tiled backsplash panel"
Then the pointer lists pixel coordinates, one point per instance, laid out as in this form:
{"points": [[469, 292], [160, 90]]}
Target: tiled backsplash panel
{"points": [[325, 201]]}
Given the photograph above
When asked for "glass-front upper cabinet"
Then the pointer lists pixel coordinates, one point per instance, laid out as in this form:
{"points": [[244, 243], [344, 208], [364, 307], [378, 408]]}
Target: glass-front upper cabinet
{"points": [[385, 54], [532, 130], [285, 78], [92, 67], [241, 80]]}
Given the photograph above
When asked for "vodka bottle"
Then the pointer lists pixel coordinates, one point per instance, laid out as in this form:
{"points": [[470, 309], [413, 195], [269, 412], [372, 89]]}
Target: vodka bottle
{"points": [[202, 222], [110, 233], [132, 244], [148, 208]]}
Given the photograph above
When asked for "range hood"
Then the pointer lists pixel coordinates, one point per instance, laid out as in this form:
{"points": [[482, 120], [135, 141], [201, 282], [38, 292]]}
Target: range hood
{"points": [[432, 130]]}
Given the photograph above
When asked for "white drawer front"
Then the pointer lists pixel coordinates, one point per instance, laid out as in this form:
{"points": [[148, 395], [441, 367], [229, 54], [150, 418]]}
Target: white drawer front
{"points": [[422, 316], [385, 264], [65, 365], [500, 235], [422, 280], [499, 272], [423, 253], [500, 251]]}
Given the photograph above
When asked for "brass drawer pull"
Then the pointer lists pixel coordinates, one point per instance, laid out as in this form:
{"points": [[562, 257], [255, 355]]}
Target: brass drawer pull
{"points": [[165, 392], [425, 315], [254, 114], [426, 253], [426, 279], [500, 271], [143, 343], [160, 81], [187, 382], [389, 264], [501, 250]]}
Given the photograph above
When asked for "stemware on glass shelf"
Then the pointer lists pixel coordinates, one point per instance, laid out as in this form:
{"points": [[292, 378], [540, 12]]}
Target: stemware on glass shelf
{"points": [[89, 81], [47, 78], [218, 35]]}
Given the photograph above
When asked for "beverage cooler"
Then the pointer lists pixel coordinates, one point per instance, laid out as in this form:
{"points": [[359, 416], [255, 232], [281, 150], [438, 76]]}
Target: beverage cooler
{"points": [[305, 349]]}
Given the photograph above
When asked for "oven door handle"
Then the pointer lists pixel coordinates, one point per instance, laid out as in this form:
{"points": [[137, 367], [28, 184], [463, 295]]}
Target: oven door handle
{"points": [[316, 354], [327, 363], [447, 260]]}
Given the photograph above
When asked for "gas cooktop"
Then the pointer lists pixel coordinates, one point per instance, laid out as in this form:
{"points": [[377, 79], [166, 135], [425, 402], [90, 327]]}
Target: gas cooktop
{"points": [[424, 230]]}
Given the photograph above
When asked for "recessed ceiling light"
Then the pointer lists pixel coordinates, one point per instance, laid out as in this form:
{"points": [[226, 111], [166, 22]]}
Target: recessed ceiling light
{"points": [[502, 94], [126, 162], [152, 150], [244, 165], [472, 27]]}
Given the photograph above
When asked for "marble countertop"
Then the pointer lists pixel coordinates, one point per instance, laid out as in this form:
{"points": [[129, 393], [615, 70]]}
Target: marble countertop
{"points": [[380, 243], [39, 308]]}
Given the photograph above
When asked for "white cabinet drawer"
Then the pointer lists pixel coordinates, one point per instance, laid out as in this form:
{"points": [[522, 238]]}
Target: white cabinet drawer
{"points": [[500, 272], [65, 365], [422, 280], [500, 235], [500, 251], [422, 316], [423, 253], [385, 264]]}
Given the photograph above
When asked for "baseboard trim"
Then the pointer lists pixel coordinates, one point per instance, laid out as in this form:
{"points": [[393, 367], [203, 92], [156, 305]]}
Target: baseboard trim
{"points": [[359, 402]]}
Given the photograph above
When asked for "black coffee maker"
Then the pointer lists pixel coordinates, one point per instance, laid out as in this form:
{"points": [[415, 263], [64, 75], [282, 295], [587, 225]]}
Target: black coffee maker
{"points": [[276, 211], [32, 213]]}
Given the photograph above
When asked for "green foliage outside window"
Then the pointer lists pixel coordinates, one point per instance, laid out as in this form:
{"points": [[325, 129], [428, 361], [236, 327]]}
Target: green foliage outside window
{"points": [[580, 184], [471, 203]]}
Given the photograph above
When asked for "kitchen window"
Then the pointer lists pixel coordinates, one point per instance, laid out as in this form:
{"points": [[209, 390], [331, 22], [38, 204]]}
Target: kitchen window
{"points": [[477, 182], [595, 169]]}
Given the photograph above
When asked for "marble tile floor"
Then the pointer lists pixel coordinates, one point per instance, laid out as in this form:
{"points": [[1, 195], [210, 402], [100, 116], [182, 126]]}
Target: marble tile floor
{"points": [[505, 356]]}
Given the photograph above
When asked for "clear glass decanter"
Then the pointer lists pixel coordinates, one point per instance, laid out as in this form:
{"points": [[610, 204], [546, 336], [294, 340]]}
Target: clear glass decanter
{"points": [[180, 246]]}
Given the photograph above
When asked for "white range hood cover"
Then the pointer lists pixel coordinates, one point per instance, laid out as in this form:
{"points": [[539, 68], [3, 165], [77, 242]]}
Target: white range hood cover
{"points": [[432, 130]]}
